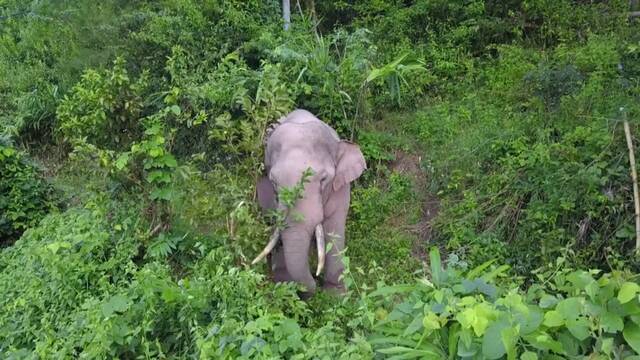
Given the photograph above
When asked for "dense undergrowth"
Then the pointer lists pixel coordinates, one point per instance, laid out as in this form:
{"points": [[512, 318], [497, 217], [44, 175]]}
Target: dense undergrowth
{"points": [[131, 137]]}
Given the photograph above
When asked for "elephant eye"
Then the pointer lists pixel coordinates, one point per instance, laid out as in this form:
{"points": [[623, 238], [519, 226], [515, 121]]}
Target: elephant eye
{"points": [[323, 179]]}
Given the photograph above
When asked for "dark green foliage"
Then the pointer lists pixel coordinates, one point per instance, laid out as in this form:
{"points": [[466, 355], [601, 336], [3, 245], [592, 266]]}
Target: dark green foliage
{"points": [[551, 84], [25, 197], [45, 47]]}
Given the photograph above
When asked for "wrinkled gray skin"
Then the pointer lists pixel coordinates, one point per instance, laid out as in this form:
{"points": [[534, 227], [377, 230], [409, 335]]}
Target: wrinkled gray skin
{"points": [[299, 141]]}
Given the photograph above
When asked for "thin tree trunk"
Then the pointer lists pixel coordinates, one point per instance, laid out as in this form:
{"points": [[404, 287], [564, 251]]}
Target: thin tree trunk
{"points": [[286, 13], [634, 177]]}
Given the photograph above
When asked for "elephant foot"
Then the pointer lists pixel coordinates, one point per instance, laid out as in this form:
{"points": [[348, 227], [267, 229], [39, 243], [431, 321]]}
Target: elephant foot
{"points": [[304, 295], [336, 290]]}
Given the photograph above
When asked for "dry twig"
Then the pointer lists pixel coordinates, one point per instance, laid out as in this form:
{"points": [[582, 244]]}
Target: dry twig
{"points": [[634, 177]]}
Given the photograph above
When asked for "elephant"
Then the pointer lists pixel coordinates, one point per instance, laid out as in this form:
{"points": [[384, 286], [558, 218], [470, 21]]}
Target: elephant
{"points": [[297, 142]]}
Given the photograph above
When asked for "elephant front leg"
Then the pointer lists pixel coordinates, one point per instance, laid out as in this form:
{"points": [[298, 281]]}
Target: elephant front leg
{"points": [[296, 243], [334, 228], [334, 266]]}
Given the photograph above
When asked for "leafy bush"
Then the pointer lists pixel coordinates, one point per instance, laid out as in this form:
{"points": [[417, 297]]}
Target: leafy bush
{"points": [[69, 260], [76, 286], [25, 197], [466, 315], [532, 162], [104, 108], [45, 47]]}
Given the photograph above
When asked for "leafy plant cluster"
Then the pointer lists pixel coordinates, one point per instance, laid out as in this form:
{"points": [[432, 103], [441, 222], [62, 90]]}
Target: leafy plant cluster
{"points": [[78, 286], [466, 314], [534, 161], [25, 196]]}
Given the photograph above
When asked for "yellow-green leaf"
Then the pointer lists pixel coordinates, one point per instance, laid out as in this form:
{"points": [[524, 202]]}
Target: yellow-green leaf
{"points": [[627, 292], [553, 319]]}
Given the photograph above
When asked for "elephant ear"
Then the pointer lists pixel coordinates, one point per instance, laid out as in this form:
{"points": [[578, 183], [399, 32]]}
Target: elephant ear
{"points": [[350, 164], [266, 194]]}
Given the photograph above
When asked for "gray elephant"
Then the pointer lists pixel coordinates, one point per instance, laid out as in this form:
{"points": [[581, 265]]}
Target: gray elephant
{"points": [[297, 142]]}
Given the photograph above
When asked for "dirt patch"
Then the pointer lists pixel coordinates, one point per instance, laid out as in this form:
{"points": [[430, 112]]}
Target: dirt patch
{"points": [[409, 164]]}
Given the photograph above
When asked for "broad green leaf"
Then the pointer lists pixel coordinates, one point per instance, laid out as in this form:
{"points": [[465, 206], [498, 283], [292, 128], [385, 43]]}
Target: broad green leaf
{"points": [[122, 161], [476, 317], [569, 342], [570, 308], [436, 265], [543, 341], [627, 292], [592, 290], [55, 246], [611, 322], [414, 326], [413, 353], [496, 272], [175, 109], [8, 152], [528, 355], [116, 303], [580, 279], [251, 344], [161, 194], [168, 160], [553, 319], [158, 176], [465, 351], [155, 152], [548, 301], [453, 340], [431, 322], [530, 320], [607, 345], [492, 345], [631, 335], [510, 338], [578, 327]]}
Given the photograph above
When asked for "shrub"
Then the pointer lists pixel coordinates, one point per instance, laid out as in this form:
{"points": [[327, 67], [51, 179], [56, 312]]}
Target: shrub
{"points": [[25, 197], [465, 314], [104, 108], [54, 270]]}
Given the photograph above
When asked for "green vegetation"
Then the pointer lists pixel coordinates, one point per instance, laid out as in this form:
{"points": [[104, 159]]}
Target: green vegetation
{"points": [[131, 138], [25, 198]]}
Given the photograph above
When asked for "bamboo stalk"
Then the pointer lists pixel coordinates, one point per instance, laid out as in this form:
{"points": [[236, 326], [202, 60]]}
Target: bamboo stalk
{"points": [[634, 177]]}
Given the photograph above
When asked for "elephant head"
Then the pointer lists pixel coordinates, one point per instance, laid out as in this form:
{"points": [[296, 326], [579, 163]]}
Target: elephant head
{"points": [[301, 141]]}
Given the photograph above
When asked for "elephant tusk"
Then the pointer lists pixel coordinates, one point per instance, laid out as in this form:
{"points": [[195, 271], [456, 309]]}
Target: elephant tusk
{"points": [[270, 245], [321, 248]]}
